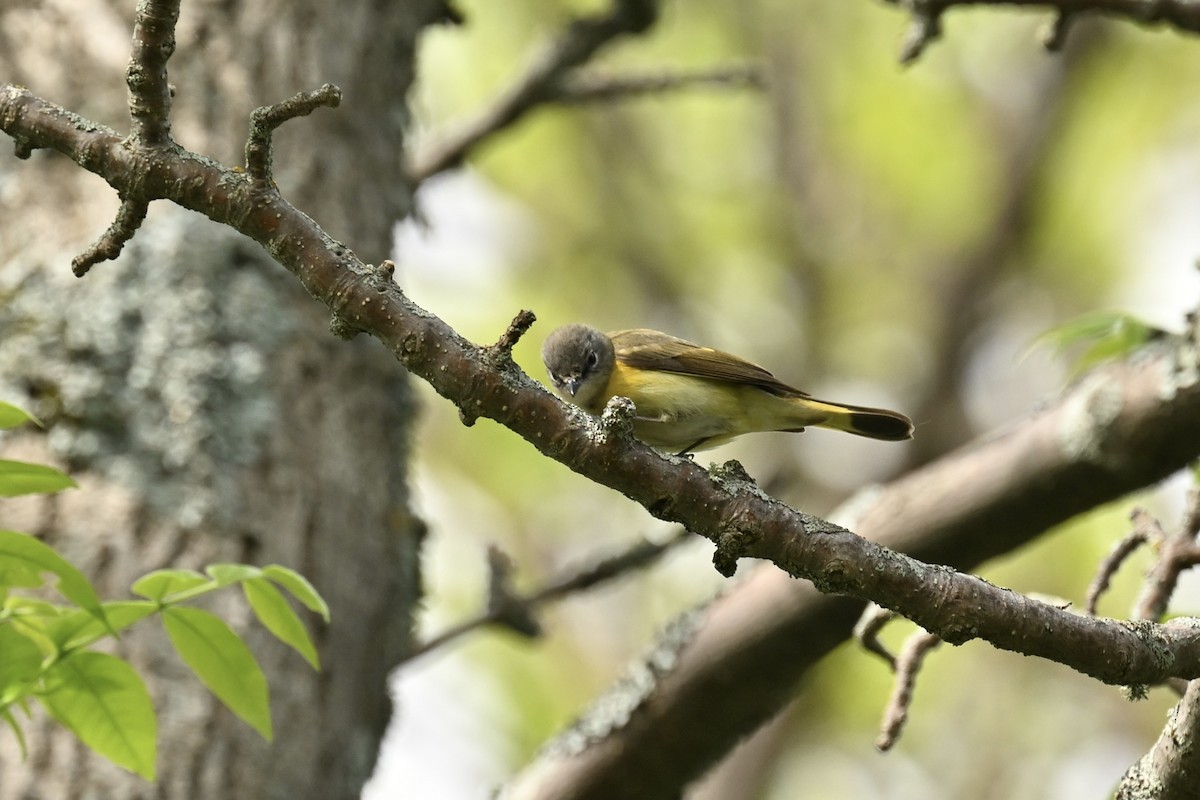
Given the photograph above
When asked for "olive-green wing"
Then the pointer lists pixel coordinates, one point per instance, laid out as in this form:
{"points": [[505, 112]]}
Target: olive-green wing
{"points": [[643, 348]]}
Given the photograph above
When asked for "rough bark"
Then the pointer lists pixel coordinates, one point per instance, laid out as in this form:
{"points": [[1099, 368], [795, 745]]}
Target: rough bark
{"points": [[194, 390]]}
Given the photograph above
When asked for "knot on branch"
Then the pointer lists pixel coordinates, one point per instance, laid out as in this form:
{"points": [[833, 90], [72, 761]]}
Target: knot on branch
{"points": [[732, 544], [618, 416], [340, 327], [22, 147], [1151, 635], [380, 277], [732, 476]]}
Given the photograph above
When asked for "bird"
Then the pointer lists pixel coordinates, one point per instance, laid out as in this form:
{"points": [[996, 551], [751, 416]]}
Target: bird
{"points": [[688, 397]]}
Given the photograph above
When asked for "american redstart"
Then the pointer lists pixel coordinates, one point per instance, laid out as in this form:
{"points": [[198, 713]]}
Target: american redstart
{"points": [[689, 397]]}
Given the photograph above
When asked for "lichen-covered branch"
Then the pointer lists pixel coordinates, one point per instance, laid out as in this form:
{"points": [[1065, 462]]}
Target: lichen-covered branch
{"points": [[1171, 770]]}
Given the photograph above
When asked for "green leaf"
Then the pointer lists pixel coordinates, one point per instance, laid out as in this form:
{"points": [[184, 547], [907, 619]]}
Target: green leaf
{"points": [[23, 554], [21, 606], [17, 477], [279, 618], [162, 583], [103, 701], [226, 574], [299, 587], [20, 664], [222, 662], [11, 417], [78, 629], [1108, 334]]}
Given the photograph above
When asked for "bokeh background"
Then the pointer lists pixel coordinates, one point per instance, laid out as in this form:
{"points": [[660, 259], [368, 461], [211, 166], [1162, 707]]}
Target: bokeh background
{"points": [[873, 233]]}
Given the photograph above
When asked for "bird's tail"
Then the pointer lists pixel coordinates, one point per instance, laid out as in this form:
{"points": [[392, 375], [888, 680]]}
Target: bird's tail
{"points": [[875, 423]]}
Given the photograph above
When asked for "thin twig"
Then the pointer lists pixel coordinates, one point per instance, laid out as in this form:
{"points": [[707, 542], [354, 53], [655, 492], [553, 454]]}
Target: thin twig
{"points": [[522, 322], [578, 42], [908, 665], [1175, 554], [129, 218], [592, 87], [265, 119], [866, 631], [1142, 533], [512, 605]]}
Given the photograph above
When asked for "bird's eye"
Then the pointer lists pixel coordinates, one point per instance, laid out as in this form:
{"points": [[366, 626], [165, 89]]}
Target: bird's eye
{"points": [[592, 360]]}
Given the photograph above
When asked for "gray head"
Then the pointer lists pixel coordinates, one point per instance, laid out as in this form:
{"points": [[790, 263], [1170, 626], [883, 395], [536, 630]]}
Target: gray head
{"points": [[580, 360]]}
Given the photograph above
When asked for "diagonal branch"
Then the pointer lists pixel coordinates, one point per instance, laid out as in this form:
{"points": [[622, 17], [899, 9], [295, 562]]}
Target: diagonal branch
{"points": [[574, 46], [518, 612], [1171, 770], [722, 506]]}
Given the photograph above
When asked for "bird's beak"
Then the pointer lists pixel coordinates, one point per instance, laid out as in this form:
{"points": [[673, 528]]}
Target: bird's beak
{"points": [[572, 385]]}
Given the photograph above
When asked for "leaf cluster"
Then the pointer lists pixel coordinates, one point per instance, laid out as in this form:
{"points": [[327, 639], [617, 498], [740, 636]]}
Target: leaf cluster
{"points": [[46, 648]]}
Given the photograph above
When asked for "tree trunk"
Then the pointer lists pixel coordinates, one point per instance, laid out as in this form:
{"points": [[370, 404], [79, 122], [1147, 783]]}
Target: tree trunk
{"points": [[196, 393]]}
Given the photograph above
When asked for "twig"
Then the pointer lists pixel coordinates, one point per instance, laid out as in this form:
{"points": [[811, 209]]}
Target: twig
{"points": [[905, 666], [1142, 533], [866, 631], [501, 351], [912, 656], [1176, 554], [581, 39], [265, 119], [129, 218], [504, 606], [592, 87], [146, 75], [149, 115]]}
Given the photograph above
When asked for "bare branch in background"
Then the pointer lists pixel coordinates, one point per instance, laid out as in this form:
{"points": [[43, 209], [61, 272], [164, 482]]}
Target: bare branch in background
{"points": [[908, 666], [585, 88], [1142, 533], [518, 612], [1171, 770], [1175, 554], [577, 43], [1183, 15]]}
